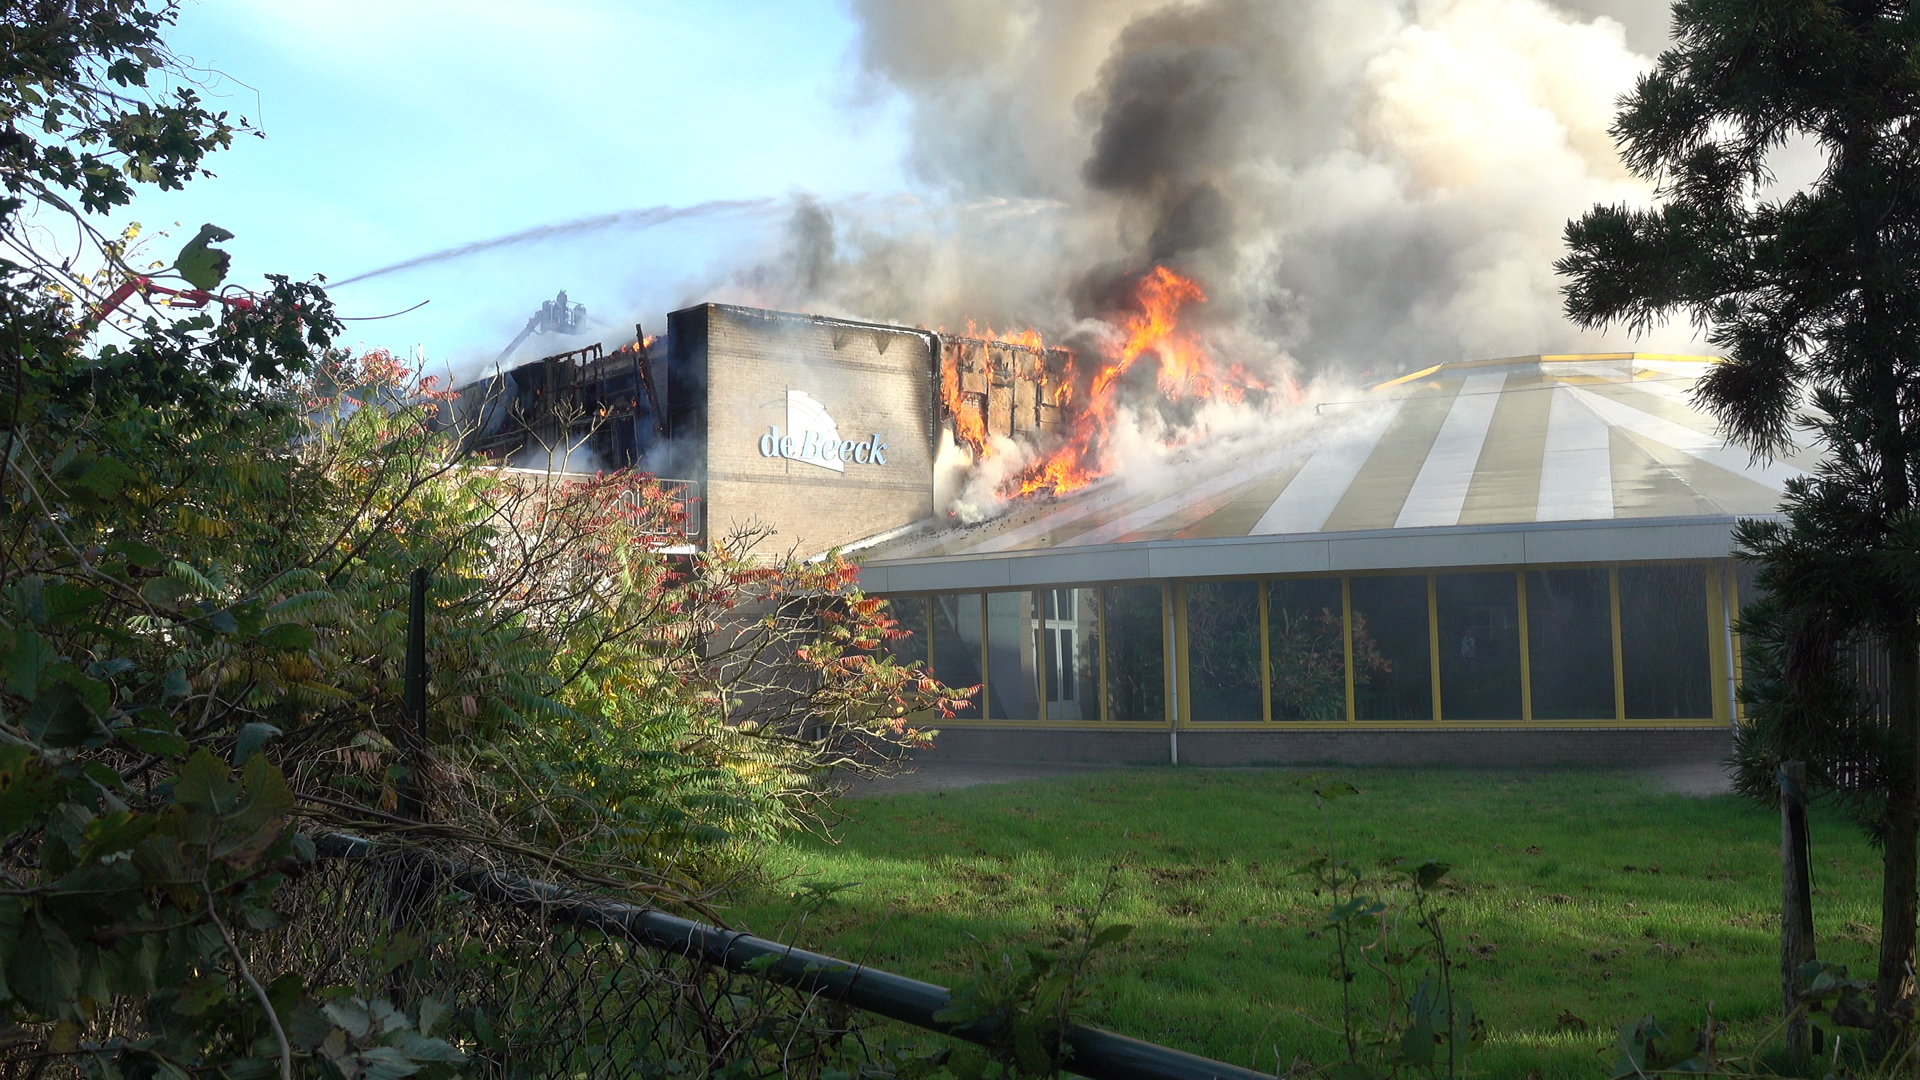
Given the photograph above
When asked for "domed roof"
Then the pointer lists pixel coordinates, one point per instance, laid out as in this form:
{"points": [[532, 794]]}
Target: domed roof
{"points": [[1471, 446]]}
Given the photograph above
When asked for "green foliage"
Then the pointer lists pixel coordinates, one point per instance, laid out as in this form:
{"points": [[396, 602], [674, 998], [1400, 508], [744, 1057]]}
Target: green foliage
{"points": [[235, 598], [1836, 1003], [1810, 296], [83, 125], [1816, 717], [203, 265], [1427, 1031], [1023, 1003], [1578, 900], [1309, 660], [130, 851], [208, 518], [1648, 1049]]}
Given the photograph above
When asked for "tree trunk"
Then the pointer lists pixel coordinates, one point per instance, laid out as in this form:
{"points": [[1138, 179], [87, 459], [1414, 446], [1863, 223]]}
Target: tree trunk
{"points": [[1796, 904], [1893, 991]]}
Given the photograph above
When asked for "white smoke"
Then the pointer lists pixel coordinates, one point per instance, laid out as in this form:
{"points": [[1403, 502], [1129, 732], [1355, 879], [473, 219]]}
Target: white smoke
{"points": [[981, 495], [1364, 187]]}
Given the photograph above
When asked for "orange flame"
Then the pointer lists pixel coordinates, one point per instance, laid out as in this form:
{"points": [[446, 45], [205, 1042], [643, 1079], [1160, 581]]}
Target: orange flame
{"points": [[1090, 400], [1029, 338], [963, 407], [968, 425]]}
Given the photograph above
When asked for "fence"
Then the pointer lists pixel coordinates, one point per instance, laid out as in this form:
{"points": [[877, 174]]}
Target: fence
{"points": [[566, 984], [684, 497], [562, 984]]}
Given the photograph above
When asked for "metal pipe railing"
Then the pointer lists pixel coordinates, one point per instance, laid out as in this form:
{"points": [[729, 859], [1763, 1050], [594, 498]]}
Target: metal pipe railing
{"points": [[1096, 1053]]}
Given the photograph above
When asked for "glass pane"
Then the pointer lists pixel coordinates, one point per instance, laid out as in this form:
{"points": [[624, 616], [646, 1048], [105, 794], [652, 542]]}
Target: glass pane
{"points": [[956, 645], [1746, 583], [1570, 644], [1306, 643], [1479, 646], [1070, 633], [1135, 627], [1747, 591], [909, 614], [1013, 668], [1392, 669], [1663, 642], [1223, 650]]}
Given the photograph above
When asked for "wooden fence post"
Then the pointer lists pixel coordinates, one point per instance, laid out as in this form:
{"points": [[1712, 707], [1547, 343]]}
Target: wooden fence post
{"points": [[412, 884]]}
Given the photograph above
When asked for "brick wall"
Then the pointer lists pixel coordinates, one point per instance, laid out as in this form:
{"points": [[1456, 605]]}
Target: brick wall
{"points": [[872, 380], [1587, 746]]}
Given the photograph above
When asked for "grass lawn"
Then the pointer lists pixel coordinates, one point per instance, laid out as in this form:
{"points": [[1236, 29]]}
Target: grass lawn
{"points": [[1577, 894]]}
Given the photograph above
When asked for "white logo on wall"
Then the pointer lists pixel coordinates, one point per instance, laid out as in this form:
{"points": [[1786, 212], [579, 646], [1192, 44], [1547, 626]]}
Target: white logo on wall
{"points": [[814, 438]]}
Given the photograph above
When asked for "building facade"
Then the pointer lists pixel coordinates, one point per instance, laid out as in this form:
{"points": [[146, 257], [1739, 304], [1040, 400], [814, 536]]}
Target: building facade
{"points": [[1503, 561], [1522, 560], [820, 430]]}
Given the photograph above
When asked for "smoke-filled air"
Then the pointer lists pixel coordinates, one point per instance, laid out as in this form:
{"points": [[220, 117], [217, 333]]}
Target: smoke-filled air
{"points": [[1227, 207]]}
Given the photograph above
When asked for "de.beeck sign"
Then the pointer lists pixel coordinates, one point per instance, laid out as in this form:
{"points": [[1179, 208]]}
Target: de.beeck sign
{"points": [[812, 436]]}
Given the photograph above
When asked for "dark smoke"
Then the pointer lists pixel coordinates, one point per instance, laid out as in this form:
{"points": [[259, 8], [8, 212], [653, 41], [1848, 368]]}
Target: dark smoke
{"points": [[1362, 186], [808, 264]]}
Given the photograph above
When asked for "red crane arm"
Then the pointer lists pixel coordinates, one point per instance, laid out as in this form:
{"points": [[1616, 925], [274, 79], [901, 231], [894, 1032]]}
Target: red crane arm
{"points": [[181, 297]]}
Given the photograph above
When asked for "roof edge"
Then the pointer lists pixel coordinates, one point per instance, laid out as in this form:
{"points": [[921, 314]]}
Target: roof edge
{"points": [[774, 315], [1373, 550], [1545, 358]]}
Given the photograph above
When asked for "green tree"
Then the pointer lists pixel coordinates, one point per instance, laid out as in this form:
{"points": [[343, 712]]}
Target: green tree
{"points": [[1814, 299], [207, 521]]}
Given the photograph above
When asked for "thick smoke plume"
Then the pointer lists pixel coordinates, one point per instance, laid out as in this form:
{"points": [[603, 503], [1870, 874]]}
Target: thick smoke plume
{"points": [[1361, 188], [1361, 185]]}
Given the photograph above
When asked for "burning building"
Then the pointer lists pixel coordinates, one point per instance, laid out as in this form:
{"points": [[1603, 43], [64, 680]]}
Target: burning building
{"points": [[1510, 560], [587, 408], [1513, 560]]}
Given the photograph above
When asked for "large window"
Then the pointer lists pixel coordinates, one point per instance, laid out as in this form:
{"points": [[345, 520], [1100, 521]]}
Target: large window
{"points": [[956, 645], [913, 619], [1070, 638], [1013, 662], [1135, 628], [1570, 644], [1746, 592], [1306, 649], [1392, 665], [1746, 584], [1223, 650], [1479, 619], [1664, 655]]}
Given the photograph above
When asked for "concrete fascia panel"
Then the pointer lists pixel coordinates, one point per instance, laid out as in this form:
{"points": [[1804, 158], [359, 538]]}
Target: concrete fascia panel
{"points": [[1704, 540], [1084, 566], [1403, 552], [956, 576], [877, 579], [1382, 549], [1288, 555]]}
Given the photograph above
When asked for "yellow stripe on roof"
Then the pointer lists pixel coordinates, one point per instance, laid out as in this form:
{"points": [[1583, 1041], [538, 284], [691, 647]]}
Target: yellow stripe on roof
{"points": [[1546, 358]]}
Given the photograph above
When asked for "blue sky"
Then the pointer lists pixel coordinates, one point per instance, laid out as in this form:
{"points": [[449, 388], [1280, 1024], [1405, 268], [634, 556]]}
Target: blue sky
{"points": [[400, 128]]}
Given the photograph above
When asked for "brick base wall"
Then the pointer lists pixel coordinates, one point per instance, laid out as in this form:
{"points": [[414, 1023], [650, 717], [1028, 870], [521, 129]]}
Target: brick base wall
{"points": [[1544, 747]]}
